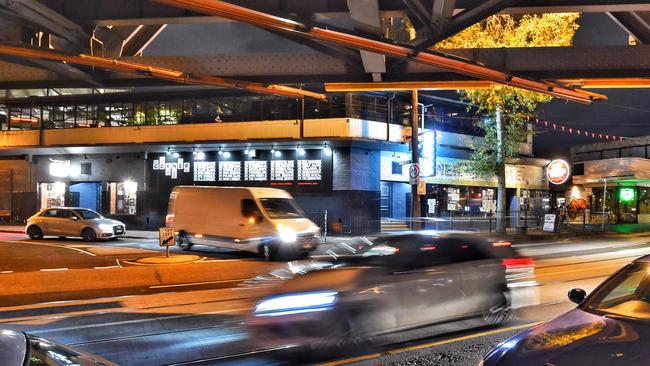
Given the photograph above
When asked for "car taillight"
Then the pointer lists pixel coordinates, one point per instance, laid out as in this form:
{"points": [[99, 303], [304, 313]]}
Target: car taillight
{"points": [[169, 220], [516, 263], [501, 243]]}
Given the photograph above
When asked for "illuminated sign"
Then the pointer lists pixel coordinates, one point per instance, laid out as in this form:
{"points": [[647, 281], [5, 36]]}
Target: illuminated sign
{"points": [[171, 169], [205, 171], [310, 169], [282, 170], [626, 194], [230, 171], [558, 171], [255, 170]]}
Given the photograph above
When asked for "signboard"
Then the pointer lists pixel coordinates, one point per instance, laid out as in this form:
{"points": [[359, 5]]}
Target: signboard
{"points": [[431, 203], [549, 222], [422, 188], [558, 171], [414, 173], [310, 169], [282, 170], [453, 198], [205, 171], [255, 170], [588, 191], [230, 171], [166, 237]]}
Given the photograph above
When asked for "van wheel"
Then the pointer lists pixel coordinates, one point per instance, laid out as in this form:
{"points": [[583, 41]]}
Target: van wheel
{"points": [[35, 233], [269, 252], [183, 241]]}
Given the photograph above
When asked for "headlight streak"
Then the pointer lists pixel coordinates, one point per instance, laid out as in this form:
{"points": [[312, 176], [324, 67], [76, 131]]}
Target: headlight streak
{"points": [[296, 303], [105, 227]]}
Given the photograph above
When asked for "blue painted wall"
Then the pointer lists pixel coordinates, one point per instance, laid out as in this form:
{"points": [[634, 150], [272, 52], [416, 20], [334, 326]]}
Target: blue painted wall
{"points": [[89, 194]]}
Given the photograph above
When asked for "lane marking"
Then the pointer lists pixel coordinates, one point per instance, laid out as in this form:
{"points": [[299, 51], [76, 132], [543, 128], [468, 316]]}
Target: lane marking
{"points": [[579, 270], [118, 262], [427, 345], [198, 283], [225, 260], [5, 272], [107, 267], [54, 269], [52, 245], [135, 321]]}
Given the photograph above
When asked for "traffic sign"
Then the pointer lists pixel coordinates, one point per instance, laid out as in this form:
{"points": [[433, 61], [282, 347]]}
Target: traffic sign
{"points": [[414, 173], [166, 237], [422, 188]]}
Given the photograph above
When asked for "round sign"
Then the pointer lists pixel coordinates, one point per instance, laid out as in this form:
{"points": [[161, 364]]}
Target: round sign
{"points": [[414, 173], [558, 171]]}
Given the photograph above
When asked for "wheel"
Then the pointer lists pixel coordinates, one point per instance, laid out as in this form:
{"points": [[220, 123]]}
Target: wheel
{"points": [[88, 234], [183, 241], [499, 312], [35, 233], [269, 251]]}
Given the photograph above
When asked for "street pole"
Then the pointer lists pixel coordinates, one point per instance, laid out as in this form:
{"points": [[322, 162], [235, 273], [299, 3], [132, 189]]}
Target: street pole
{"points": [[415, 160]]}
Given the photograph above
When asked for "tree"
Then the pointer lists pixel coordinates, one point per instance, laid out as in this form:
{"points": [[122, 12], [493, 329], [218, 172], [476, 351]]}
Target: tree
{"points": [[506, 109]]}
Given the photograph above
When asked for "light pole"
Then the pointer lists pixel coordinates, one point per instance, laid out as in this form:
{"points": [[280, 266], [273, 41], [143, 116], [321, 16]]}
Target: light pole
{"points": [[415, 162]]}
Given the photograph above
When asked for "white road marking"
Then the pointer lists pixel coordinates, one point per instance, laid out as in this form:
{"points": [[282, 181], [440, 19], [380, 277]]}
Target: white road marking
{"points": [[198, 283], [135, 321], [107, 267], [224, 260], [52, 245], [54, 269], [118, 262], [5, 272]]}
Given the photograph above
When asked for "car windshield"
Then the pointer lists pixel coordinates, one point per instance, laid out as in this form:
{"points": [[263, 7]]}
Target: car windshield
{"points": [[281, 208], [88, 214], [626, 295], [45, 353]]}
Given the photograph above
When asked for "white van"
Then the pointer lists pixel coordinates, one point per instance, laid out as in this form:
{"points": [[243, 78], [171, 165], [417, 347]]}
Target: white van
{"points": [[262, 220]]}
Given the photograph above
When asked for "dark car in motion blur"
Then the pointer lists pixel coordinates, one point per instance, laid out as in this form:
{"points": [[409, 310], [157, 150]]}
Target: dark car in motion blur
{"points": [[609, 327], [22, 349], [362, 289]]}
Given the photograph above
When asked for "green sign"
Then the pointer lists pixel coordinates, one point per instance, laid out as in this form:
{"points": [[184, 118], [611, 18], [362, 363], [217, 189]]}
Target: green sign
{"points": [[626, 194]]}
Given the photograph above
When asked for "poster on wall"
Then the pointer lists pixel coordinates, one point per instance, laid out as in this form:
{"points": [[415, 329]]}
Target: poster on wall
{"points": [[488, 204], [255, 170], [453, 198], [282, 170], [310, 169], [230, 171], [205, 171]]}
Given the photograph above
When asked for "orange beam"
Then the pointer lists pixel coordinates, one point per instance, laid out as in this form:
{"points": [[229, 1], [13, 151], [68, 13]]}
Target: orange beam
{"points": [[408, 85], [320, 32], [608, 83], [158, 72]]}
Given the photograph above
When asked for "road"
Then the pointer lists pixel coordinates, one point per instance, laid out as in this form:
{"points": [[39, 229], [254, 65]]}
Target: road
{"points": [[202, 323]]}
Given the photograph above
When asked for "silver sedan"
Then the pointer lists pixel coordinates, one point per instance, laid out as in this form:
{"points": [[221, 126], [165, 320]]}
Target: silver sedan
{"points": [[75, 222]]}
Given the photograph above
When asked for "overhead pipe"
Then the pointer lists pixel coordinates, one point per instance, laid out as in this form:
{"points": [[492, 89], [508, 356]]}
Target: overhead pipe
{"points": [[322, 32], [157, 72]]}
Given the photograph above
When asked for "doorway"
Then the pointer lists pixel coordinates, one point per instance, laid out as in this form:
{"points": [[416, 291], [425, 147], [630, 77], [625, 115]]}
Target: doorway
{"points": [[86, 195]]}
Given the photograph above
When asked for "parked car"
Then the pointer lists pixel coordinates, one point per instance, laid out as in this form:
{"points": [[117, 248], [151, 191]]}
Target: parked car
{"points": [[609, 327], [267, 221], [363, 289], [22, 349], [75, 222]]}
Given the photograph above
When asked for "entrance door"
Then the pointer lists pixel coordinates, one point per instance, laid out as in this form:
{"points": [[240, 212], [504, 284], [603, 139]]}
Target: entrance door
{"points": [[86, 195], [386, 198]]}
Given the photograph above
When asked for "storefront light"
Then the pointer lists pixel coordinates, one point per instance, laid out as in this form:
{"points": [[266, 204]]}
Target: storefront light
{"points": [[130, 186], [626, 194], [59, 168], [58, 187], [176, 155], [199, 156], [226, 154], [301, 151], [327, 150], [277, 153], [575, 192]]}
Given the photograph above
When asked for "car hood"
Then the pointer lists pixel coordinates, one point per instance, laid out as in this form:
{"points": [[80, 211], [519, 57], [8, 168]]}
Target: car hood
{"points": [[106, 221], [299, 225], [577, 338]]}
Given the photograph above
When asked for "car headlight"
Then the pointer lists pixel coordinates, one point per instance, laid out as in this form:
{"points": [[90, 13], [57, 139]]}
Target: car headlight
{"points": [[105, 227], [296, 303], [286, 234]]}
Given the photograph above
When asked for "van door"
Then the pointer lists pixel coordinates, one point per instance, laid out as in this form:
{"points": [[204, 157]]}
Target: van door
{"points": [[252, 222]]}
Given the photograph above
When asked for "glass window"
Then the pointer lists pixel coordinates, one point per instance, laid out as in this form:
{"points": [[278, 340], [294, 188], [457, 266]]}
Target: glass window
{"points": [[51, 213], [281, 208], [626, 295], [88, 214], [52, 194], [396, 168], [66, 214], [123, 198], [249, 209]]}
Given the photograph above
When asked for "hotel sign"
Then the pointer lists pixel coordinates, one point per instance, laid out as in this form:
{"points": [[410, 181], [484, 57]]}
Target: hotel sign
{"points": [[558, 171]]}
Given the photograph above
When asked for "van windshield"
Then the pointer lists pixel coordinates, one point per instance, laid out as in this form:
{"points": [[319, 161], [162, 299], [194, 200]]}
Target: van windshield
{"points": [[281, 208]]}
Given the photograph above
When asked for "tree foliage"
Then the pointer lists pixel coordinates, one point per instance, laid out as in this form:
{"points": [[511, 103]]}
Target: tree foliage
{"points": [[515, 105]]}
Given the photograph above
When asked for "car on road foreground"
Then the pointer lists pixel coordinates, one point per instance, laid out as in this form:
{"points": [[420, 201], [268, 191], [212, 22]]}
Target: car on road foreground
{"points": [[363, 289], [22, 349], [75, 222], [611, 326]]}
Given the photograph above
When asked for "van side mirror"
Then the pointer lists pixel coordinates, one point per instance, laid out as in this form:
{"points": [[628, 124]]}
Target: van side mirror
{"points": [[577, 295]]}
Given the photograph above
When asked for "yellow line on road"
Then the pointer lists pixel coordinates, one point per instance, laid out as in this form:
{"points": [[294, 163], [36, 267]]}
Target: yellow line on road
{"points": [[589, 269], [53, 245], [426, 345]]}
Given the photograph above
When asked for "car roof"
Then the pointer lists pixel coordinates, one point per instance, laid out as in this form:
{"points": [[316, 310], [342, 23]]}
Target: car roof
{"points": [[66, 208], [644, 259]]}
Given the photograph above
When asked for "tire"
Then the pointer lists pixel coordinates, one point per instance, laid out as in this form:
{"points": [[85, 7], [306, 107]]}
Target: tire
{"points": [[184, 242], [88, 234], [499, 312], [35, 233], [269, 252]]}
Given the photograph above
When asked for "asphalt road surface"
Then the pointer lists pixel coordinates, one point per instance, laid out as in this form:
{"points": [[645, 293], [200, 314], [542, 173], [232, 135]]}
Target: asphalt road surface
{"points": [[206, 324]]}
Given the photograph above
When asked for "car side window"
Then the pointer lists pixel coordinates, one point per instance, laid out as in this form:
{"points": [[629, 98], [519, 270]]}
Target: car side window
{"points": [[66, 214], [51, 213], [249, 209]]}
